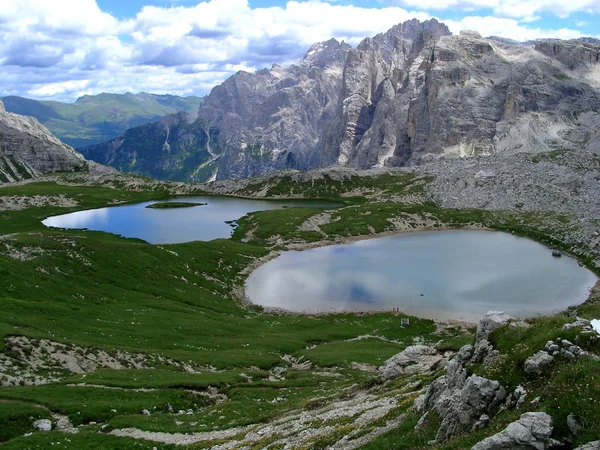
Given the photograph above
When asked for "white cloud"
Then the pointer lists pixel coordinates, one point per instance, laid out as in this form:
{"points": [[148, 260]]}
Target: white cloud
{"points": [[508, 28], [61, 53]]}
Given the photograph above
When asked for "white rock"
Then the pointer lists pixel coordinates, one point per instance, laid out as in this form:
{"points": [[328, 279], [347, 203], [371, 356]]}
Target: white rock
{"points": [[43, 425]]}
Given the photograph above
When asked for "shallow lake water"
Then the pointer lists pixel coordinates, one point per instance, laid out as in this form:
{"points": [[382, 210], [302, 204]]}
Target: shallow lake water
{"points": [[174, 225], [458, 274]]}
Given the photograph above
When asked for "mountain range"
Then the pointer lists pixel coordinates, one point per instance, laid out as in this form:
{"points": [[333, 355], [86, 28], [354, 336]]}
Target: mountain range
{"points": [[93, 119], [403, 97]]}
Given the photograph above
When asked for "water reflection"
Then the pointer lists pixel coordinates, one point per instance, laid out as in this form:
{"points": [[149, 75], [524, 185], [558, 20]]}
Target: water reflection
{"points": [[79, 219], [450, 274], [165, 226]]}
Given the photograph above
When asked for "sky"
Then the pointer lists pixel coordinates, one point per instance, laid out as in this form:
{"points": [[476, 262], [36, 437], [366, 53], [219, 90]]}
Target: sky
{"points": [[63, 49]]}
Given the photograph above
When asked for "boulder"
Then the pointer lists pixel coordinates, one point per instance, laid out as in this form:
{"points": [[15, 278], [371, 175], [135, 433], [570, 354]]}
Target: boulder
{"points": [[491, 321], [459, 410], [536, 365], [42, 425], [414, 359], [531, 431]]}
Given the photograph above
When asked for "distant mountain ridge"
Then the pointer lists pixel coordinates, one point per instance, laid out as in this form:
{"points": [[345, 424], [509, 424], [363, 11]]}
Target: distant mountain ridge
{"points": [[93, 119], [403, 97], [28, 149]]}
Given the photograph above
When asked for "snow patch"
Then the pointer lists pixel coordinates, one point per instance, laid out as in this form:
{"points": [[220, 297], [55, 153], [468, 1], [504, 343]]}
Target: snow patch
{"points": [[596, 325]]}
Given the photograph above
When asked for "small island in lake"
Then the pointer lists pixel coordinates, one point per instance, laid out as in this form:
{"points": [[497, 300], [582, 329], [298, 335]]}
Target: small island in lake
{"points": [[167, 205]]}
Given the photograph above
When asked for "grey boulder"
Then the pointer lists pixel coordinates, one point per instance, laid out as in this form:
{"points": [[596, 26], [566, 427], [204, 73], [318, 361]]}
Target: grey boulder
{"points": [[531, 431], [536, 365], [414, 359]]}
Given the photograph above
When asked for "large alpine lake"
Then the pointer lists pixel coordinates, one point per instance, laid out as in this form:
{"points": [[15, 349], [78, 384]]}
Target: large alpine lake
{"points": [[176, 225], [458, 275]]}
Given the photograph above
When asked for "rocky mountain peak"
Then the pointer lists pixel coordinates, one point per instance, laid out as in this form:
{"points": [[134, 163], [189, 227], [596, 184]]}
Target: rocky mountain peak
{"points": [[324, 53], [412, 29], [2, 107], [403, 97]]}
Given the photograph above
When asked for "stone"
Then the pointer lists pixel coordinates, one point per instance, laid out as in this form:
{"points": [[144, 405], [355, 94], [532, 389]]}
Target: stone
{"points": [[566, 343], [43, 425], [548, 345], [595, 445], [536, 365], [483, 422], [519, 395], [579, 323], [145, 412], [531, 431], [554, 348], [413, 359], [575, 349], [489, 322], [535, 402], [568, 354], [461, 408]]}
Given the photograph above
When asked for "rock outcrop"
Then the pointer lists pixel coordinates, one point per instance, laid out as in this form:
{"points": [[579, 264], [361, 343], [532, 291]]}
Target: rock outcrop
{"points": [[28, 149], [400, 98], [413, 359], [531, 432], [466, 402]]}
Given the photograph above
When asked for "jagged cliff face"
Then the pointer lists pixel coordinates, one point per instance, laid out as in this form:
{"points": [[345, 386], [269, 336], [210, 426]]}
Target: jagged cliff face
{"points": [[401, 98], [28, 149]]}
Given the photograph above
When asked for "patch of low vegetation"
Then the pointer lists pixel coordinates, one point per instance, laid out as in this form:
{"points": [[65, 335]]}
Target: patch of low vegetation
{"points": [[170, 205], [17, 419]]}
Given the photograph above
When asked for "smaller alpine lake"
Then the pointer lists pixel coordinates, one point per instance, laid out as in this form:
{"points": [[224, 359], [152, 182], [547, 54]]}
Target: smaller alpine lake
{"points": [[212, 217], [459, 274]]}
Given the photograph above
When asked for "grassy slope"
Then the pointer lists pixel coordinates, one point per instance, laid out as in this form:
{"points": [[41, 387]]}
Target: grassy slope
{"points": [[98, 118], [96, 290]]}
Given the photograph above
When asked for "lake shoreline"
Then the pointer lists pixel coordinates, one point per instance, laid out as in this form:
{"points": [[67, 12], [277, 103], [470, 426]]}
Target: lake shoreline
{"points": [[241, 296]]}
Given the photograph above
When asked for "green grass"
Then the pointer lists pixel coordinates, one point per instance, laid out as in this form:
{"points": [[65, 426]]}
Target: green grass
{"points": [[17, 419], [177, 305]]}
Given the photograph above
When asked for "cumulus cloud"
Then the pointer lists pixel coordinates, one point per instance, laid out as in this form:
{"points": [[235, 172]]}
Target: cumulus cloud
{"points": [[62, 53], [521, 9]]}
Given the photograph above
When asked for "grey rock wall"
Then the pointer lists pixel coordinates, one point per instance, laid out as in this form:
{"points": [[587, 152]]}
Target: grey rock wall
{"points": [[28, 149]]}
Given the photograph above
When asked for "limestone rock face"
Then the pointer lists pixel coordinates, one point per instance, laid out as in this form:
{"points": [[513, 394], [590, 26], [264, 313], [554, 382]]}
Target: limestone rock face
{"points": [[413, 359], [401, 98], [28, 149], [531, 431]]}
